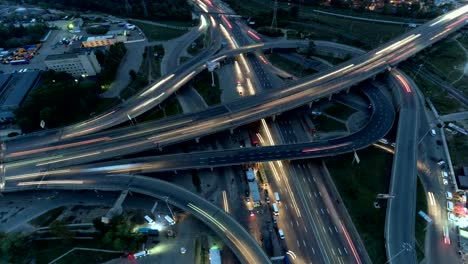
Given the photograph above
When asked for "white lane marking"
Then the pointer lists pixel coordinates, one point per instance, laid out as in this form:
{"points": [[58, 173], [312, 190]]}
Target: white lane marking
{"points": [[315, 194], [298, 245], [310, 195], [339, 251], [333, 251], [297, 223], [321, 209], [314, 179], [305, 228], [336, 229], [313, 251], [346, 251], [303, 242]]}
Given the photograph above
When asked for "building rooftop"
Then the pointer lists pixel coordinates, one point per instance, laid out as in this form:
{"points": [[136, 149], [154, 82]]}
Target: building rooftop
{"points": [[63, 56], [17, 88]]}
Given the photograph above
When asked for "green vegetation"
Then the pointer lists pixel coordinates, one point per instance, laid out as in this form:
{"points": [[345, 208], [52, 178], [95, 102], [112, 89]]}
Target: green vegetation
{"points": [[358, 185], [47, 250], [60, 100], [420, 223], [339, 111], [289, 66], [97, 30], [145, 9], [157, 33], [198, 45], [313, 25], [326, 124], [458, 146], [15, 37], [48, 217], [202, 83], [110, 61], [15, 248], [170, 107]]}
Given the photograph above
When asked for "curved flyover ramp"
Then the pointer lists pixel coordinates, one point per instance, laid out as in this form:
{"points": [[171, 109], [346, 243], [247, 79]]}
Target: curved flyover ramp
{"points": [[233, 234]]}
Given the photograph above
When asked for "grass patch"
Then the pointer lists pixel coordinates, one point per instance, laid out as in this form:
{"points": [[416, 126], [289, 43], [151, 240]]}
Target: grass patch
{"points": [[198, 45], [339, 111], [289, 66], [184, 59], [420, 223], [358, 185], [78, 257], [169, 107], [46, 251], [326, 124], [443, 101], [156, 33], [202, 83], [48, 217], [458, 146]]}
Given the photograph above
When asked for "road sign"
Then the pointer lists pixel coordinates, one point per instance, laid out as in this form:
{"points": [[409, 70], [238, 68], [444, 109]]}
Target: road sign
{"points": [[42, 124]]}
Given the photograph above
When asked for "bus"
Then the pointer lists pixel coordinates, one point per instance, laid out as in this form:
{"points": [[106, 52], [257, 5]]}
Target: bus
{"points": [[262, 173]]}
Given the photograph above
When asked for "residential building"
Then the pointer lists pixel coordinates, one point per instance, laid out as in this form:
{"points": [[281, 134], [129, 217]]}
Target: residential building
{"points": [[76, 64]]}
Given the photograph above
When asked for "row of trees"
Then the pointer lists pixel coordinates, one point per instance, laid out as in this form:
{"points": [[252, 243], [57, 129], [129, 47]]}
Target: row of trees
{"points": [[14, 37], [110, 61], [148, 9]]}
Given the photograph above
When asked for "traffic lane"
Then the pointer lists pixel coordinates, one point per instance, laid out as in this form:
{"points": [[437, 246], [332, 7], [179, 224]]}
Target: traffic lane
{"points": [[438, 27], [233, 234], [380, 122], [318, 209]]}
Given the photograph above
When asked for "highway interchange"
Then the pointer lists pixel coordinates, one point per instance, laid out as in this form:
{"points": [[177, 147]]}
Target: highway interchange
{"points": [[52, 152]]}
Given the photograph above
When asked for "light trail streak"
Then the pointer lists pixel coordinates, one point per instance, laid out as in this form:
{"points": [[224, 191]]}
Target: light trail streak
{"points": [[21, 163], [147, 102], [157, 85], [253, 35], [208, 216], [399, 43], [250, 86], [389, 150], [213, 22], [69, 145], [203, 23], [96, 119], [404, 83], [53, 182], [151, 130], [431, 198], [37, 174], [226, 21], [350, 242], [70, 158], [225, 201], [325, 148]]}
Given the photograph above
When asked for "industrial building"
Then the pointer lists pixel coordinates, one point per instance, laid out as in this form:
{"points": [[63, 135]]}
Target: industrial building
{"points": [[14, 88], [76, 64]]}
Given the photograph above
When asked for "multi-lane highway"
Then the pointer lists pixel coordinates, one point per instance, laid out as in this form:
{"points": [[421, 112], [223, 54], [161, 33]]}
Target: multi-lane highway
{"points": [[399, 224], [296, 94]]}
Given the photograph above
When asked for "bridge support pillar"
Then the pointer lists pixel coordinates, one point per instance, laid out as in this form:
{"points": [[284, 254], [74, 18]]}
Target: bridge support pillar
{"points": [[347, 89], [231, 130], [197, 139], [273, 118], [212, 169], [159, 148], [330, 97], [175, 171], [310, 105]]}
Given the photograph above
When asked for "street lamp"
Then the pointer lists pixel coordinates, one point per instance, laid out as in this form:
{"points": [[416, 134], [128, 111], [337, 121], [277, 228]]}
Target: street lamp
{"points": [[211, 67]]}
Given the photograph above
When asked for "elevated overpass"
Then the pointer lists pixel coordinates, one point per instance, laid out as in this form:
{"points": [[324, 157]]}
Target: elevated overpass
{"points": [[226, 227]]}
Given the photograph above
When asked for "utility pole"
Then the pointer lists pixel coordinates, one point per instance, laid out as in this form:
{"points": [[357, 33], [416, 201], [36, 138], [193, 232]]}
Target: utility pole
{"points": [[275, 8]]}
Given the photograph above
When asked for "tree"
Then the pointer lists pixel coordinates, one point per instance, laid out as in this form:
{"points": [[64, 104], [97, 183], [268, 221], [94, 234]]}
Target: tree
{"points": [[133, 74], [310, 48], [294, 12], [59, 229]]}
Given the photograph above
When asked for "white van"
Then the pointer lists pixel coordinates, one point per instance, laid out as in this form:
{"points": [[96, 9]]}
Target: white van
{"points": [[169, 220], [448, 195], [149, 220], [275, 209], [278, 200], [444, 174], [450, 206], [433, 132], [281, 233], [383, 141]]}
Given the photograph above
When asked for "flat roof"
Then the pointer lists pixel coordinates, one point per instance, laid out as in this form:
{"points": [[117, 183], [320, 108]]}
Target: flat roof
{"points": [[61, 56], [17, 89], [3, 80]]}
